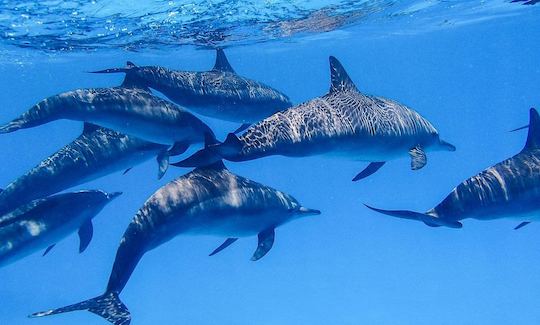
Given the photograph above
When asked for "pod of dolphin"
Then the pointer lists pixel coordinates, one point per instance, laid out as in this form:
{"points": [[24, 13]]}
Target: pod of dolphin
{"points": [[126, 125]]}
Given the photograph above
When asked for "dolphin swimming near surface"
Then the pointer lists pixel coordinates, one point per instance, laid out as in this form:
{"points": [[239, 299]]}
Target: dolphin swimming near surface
{"points": [[95, 153], [218, 93], [43, 222], [130, 109], [509, 189], [207, 201], [344, 122]]}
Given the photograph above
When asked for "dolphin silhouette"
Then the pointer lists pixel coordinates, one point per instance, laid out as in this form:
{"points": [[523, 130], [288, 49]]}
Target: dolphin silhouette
{"points": [[207, 201], [95, 153], [509, 189], [43, 222], [218, 93], [344, 122], [130, 108]]}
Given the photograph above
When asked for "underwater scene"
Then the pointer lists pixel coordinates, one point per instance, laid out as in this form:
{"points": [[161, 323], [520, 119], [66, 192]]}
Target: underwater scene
{"points": [[270, 162]]}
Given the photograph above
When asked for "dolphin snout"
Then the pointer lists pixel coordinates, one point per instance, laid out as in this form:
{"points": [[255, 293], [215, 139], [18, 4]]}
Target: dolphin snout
{"points": [[311, 212], [113, 195]]}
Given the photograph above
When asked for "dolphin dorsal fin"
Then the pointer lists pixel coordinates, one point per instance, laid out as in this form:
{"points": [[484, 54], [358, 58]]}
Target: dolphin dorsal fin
{"points": [[90, 128], [339, 79], [533, 138], [222, 64]]}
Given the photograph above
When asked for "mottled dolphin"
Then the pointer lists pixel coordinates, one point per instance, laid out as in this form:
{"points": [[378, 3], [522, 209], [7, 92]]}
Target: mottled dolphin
{"points": [[218, 93], [95, 153], [207, 201], [43, 222], [509, 189], [344, 122], [130, 108]]}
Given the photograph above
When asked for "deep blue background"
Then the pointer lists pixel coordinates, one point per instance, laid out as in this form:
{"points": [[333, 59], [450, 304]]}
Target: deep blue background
{"points": [[348, 265]]}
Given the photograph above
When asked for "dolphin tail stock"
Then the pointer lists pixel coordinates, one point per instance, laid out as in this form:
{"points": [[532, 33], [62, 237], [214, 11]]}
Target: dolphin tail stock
{"points": [[428, 219], [213, 151], [108, 306], [13, 126]]}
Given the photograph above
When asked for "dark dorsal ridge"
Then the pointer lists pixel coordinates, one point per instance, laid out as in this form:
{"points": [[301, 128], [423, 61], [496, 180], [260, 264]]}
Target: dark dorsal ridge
{"points": [[90, 128], [339, 79], [533, 138], [222, 64]]}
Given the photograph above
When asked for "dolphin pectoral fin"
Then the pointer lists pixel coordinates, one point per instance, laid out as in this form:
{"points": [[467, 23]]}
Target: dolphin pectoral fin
{"points": [[520, 128], [266, 241], [178, 148], [225, 244], [242, 128], [163, 163], [85, 235], [369, 170], [427, 219], [127, 170], [521, 225], [418, 158], [48, 249]]}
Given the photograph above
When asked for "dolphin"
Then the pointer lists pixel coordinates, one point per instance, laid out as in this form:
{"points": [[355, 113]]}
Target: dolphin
{"points": [[207, 201], [43, 222], [95, 153], [219, 93], [130, 109], [509, 189], [344, 122]]}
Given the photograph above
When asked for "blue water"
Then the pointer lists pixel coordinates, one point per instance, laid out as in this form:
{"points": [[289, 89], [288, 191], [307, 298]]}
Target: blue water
{"points": [[473, 72]]}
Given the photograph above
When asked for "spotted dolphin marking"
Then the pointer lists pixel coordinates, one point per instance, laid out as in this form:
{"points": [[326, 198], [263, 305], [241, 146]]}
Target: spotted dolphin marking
{"points": [[344, 123], [95, 153], [207, 201], [42, 223], [218, 93], [130, 109], [509, 189]]}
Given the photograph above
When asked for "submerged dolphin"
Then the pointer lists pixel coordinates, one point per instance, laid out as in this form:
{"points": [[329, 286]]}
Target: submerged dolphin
{"points": [[344, 122], [95, 153], [218, 93], [510, 189], [206, 201], [130, 109], [42, 223]]}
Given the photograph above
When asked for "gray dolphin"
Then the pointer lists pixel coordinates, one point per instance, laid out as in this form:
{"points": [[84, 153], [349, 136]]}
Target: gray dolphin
{"points": [[344, 122], [218, 93], [130, 108], [509, 189], [43, 222], [95, 153], [207, 201]]}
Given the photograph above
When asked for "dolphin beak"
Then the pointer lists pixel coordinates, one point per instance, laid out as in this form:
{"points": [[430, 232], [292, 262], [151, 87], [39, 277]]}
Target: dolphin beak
{"points": [[310, 212], [113, 195]]}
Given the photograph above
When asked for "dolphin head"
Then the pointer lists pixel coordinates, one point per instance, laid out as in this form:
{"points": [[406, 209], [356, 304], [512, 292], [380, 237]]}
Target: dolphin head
{"points": [[436, 143]]}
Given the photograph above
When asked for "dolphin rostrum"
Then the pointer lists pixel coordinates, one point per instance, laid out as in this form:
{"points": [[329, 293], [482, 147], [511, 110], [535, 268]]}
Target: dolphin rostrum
{"points": [[509, 189], [43, 222], [95, 153], [218, 93], [207, 201], [130, 108], [344, 122]]}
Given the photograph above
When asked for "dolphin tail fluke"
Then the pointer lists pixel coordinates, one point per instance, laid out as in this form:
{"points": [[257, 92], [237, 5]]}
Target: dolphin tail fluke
{"points": [[214, 151], [425, 218], [108, 306]]}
